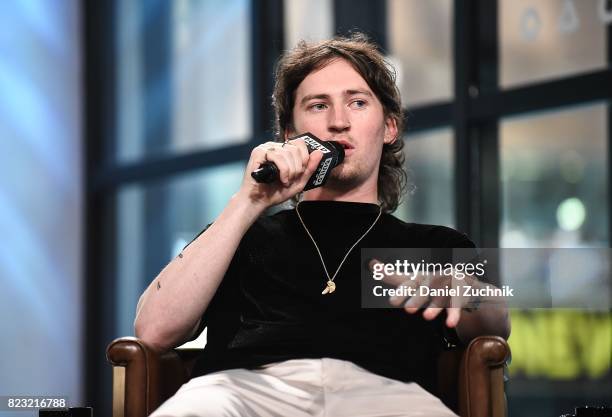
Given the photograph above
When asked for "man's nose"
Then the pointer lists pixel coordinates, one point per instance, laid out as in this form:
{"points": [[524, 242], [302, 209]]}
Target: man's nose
{"points": [[338, 120]]}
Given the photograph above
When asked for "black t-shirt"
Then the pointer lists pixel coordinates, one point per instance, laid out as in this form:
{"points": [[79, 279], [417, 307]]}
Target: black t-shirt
{"points": [[269, 306]]}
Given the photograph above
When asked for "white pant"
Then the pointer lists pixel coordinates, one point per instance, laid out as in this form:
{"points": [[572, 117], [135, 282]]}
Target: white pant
{"points": [[301, 387]]}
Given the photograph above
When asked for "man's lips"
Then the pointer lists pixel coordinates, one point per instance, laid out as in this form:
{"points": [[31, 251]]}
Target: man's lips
{"points": [[344, 143]]}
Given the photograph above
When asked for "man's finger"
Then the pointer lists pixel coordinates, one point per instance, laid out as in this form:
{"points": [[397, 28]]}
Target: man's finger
{"points": [[303, 151], [398, 280], [414, 303], [431, 313], [283, 162], [453, 315], [373, 262], [398, 300], [313, 163], [390, 279]]}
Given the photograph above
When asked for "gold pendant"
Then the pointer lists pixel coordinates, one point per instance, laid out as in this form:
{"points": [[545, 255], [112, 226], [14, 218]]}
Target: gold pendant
{"points": [[331, 287]]}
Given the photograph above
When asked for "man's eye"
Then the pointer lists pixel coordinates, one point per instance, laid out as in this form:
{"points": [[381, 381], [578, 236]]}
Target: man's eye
{"points": [[318, 106], [358, 103]]}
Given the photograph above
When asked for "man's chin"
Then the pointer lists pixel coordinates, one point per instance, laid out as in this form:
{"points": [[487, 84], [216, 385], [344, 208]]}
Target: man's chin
{"points": [[342, 179]]}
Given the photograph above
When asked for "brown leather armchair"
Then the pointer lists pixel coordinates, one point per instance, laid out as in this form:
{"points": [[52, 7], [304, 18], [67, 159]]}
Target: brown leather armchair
{"points": [[471, 379]]}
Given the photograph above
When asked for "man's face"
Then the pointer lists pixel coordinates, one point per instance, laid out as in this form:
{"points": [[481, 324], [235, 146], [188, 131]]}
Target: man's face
{"points": [[336, 103]]}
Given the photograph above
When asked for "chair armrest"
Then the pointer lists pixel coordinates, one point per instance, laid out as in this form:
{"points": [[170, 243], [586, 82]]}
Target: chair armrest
{"points": [[142, 378], [481, 378]]}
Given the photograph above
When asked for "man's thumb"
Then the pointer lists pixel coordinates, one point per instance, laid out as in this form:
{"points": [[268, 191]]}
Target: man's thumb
{"points": [[313, 163]]}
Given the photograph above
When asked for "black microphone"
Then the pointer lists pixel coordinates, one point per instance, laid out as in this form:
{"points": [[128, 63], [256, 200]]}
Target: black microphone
{"points": [[333, 155]]}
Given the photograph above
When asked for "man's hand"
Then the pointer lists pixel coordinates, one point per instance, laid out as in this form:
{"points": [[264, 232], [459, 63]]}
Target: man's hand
{"points": [[492, 320], [295, 166], [432, 305]]}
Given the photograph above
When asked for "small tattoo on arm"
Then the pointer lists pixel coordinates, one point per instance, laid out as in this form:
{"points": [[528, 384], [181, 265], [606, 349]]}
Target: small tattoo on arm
{"points": [[180, 255], [158, 285]]}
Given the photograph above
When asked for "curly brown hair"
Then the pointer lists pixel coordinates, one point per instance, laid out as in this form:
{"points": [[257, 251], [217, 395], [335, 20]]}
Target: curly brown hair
{"points": [[368, 61]]}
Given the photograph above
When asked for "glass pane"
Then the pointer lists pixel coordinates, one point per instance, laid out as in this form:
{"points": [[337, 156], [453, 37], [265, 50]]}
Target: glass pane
{"points": [[157, 220], [430, 163], [200, 87], [551, 38], [554, 179], [421, 49], [310, 20], [554, 191]]}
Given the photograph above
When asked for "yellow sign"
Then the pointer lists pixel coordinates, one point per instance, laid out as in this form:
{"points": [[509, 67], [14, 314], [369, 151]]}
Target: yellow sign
{"points": [[561, 344]]}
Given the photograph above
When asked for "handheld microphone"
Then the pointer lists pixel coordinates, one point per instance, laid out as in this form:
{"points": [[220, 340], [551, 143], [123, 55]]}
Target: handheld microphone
{"points": [[333, 155]]}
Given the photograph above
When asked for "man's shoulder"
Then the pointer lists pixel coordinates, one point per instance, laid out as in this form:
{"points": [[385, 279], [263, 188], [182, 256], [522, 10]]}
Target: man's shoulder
{"points": [[431, 235]]}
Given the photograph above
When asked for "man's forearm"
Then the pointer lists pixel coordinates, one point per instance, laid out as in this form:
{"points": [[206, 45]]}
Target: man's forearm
{"points": [[172, 304]]}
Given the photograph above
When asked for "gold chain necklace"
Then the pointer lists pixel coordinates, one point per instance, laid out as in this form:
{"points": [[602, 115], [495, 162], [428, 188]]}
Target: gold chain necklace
{"points": [[331, 285]]}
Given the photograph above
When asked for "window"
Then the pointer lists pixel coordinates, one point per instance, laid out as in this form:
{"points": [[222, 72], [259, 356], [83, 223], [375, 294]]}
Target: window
{"points": [[311, 20], [547, 39], [430, 164], [183, 76], [420, 45], [554, 178]]}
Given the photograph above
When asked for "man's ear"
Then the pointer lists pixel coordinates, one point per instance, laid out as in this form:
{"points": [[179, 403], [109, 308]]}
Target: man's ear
{"points": [[390, 130]]}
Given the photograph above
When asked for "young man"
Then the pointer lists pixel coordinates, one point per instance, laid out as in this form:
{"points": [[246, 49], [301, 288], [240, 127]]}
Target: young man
{"points": [[281, 294]]}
